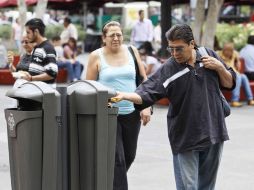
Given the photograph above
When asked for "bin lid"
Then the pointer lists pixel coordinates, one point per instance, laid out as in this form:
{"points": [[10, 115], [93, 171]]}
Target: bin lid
{"points": [[89, 97], [90, 87], [31, 90]]}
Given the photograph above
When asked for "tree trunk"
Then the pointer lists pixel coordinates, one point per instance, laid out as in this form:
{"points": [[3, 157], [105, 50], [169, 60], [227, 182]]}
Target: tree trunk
{"points": [[22, 14], [41, 8], [210, 26], [199, 20]]}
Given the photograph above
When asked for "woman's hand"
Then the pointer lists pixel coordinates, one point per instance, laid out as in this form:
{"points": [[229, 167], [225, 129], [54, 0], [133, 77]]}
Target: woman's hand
{"points": [[10, 56], [145, 115]]}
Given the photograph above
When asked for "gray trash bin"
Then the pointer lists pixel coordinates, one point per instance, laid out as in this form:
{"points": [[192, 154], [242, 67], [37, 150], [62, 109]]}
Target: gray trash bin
{"points": [[92, 136], [32, 136]]}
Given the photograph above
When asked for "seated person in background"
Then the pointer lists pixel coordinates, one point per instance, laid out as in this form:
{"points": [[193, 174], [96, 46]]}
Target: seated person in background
{"points": [[61, 61], [70, 53], [231, 58], [151, 63], [148, 47], [247, 53], [25, 59]]}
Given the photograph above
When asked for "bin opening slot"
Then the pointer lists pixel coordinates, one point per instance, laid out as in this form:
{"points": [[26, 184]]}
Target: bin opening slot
{"points": [[28, 104]]}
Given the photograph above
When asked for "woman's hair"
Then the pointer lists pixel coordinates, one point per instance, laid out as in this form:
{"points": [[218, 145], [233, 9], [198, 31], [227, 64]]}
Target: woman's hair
{"points": [[109, 24], [73, 40], [148, 47]]}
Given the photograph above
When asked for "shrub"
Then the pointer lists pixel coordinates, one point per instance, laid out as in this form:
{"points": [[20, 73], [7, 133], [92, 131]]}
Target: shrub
{"points": [[55, 30], [238, 34], [81, 33], [5, 31]]}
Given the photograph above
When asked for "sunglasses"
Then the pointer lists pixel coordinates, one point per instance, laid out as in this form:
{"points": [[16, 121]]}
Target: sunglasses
{"points": [[175, 49]]}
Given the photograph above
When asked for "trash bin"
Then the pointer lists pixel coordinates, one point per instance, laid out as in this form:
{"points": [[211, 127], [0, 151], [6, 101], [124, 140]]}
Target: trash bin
{"points": [[92, 136], [32, 136]]}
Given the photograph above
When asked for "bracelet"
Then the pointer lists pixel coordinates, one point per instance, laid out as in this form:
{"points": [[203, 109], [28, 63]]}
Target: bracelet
{"points": [[31, 78]]}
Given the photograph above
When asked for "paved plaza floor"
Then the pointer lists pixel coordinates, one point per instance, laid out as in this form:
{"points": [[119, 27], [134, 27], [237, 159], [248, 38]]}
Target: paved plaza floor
{"points": [[153, 168]]}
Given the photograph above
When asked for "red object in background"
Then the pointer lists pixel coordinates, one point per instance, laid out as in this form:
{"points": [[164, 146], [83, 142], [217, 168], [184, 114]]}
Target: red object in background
{"points": [[252, 18], [13, 3], [6, 77], [10, 3], [7, 3]]}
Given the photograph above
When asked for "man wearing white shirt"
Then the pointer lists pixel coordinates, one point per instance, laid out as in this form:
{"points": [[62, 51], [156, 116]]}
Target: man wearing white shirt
{"points": [[70, 30], [142, 30]]}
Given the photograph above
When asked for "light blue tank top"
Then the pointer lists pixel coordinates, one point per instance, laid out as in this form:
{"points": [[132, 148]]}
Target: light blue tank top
{"points": [[120, 78]]}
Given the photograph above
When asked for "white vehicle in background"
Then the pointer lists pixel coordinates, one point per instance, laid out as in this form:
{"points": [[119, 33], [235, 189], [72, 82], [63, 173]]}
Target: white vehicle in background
{"points": [[129, 11]]}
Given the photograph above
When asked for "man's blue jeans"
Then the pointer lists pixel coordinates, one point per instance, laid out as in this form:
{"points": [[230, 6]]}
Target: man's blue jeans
{"points": [[241, 80], [197, 170]]}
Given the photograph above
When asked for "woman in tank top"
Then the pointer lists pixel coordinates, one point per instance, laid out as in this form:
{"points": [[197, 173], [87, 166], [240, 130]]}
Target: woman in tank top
{"points": [[113, 66]]}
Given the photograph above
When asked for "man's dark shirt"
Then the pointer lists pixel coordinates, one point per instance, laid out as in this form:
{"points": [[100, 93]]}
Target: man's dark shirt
{"points": [[195, 115], [43, 60]]}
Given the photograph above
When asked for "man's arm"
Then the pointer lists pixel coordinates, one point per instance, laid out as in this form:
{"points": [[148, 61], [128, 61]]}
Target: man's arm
{"points": [[133, 97]]}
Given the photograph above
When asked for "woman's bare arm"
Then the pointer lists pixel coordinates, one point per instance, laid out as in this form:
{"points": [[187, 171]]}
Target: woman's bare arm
{"points": [[92, 67]]}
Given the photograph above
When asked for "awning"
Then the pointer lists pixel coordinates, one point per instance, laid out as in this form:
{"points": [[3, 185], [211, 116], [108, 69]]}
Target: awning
{"points": [[13, 3]]}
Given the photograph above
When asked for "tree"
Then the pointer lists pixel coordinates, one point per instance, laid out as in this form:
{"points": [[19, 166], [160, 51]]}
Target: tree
{"points": [[39, 11], [41, 8], [22, 14], [204, 27]]}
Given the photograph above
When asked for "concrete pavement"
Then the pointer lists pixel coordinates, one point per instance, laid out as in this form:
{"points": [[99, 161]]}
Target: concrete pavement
{"points": [[153, 168]]}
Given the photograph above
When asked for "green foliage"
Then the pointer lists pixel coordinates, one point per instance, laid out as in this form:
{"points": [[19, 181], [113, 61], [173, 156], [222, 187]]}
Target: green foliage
{"points": [[127, 34], [5, 31], [238, 34], [55, 30], [81, 33]]}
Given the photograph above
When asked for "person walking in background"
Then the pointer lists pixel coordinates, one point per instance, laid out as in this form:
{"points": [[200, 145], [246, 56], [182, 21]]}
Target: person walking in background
{"points": [[43, 65], [70, 54], [142, 31], [196, 120], [231, 58], [113, 66], [69, 31], [247, 54], [16, 34]]}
